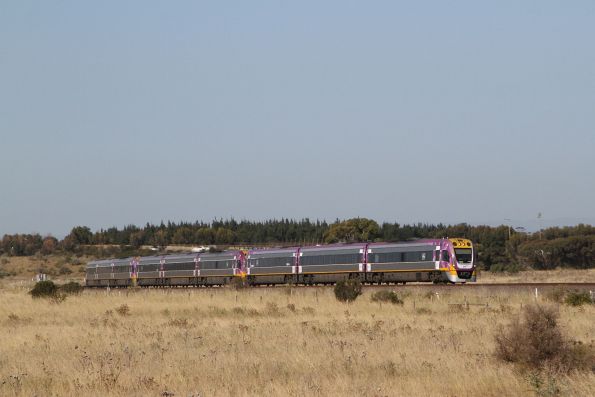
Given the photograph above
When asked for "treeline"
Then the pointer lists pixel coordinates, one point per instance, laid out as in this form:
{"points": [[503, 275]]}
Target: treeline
{"points": [[499, 248]]}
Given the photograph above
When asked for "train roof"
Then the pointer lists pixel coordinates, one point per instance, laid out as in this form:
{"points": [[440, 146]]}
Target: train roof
{"points": [[256, 251], [408, 243]]}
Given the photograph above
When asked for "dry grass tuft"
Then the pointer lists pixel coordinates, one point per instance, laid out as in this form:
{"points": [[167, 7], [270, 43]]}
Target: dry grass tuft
{"points": [[123, 310]]}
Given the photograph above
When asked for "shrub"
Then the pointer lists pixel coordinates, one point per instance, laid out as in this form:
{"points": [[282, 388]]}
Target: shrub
{"points": [[72, 288], [387, 296], [578, 298], [348, 290], [123, 310], [536, 342], [44, 289]]}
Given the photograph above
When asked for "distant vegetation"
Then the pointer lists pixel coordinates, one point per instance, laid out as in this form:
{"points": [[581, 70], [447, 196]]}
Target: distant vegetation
{"points": [[499, 248]]}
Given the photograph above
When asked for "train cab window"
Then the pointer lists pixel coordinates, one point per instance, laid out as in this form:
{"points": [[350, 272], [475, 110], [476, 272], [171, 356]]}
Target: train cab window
{"points": [[464, 255], [445, 256]]}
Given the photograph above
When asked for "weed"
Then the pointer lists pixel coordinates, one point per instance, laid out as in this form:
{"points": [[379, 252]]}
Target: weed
{"points": [[386, 296], [547, 387], [578, 298], [123, 310]]}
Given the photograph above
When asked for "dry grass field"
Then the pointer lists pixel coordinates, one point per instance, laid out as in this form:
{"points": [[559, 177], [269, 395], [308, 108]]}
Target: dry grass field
{"points": [[540, 276], [219, 342]]}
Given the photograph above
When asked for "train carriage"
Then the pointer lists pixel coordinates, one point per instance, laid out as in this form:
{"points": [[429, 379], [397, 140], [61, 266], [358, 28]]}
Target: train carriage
{"points": [[109, 273], [219, 268], [272, 266], [179, 269], [329, 264], [149, 270]]}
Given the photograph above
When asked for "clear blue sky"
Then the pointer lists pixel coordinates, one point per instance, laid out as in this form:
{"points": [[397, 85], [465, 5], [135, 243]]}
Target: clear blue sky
{"points": [[118, 112]]}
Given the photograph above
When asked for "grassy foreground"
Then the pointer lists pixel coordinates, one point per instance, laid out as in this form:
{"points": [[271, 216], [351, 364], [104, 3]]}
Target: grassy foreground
{"points": [[218, 342]]}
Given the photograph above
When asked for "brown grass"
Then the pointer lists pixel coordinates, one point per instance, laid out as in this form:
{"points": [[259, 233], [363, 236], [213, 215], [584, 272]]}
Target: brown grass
{"points": [[540, 276], [219, 342]]}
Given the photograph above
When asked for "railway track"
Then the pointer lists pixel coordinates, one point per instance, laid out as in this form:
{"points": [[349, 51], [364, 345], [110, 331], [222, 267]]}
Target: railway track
{"points": [[458, 286], [565, 285]]}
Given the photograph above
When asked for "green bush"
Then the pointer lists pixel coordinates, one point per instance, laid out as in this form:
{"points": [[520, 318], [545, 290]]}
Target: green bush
{"points": [[44, 289], [348, 290], [72, 288], [578, 298], [387, 296]]}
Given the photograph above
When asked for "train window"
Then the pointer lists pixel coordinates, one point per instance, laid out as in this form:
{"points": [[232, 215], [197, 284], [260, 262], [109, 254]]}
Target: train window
{"points": [[386, 257], [463, 255], [411, 256], [178, 266], [272, 262], [445, 256], [330, 259]]}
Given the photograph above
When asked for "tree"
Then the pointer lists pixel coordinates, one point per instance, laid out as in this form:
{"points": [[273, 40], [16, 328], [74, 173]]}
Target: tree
{"points": [[49, 245], [352, 230], [81, 235]]}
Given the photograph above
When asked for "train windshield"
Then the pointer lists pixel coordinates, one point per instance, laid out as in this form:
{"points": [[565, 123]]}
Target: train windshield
{"points": [[463, 255]]}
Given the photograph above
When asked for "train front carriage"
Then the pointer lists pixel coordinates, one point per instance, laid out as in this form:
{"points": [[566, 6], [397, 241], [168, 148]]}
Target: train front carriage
{"points": [[458, 260], [403, 262], [272, 266]]}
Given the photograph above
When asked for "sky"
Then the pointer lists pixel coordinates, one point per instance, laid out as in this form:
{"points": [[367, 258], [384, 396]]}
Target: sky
{"points": [[128, 112]]}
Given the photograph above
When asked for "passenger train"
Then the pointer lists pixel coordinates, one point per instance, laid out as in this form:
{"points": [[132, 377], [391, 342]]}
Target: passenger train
{"points": [[432, 260]]}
